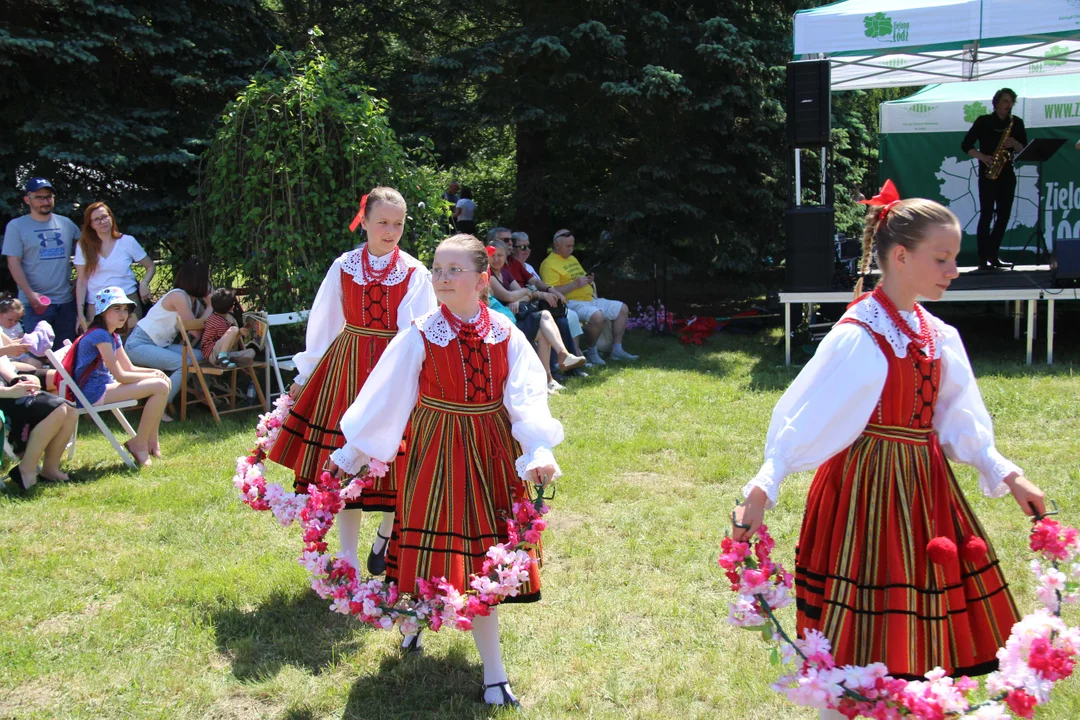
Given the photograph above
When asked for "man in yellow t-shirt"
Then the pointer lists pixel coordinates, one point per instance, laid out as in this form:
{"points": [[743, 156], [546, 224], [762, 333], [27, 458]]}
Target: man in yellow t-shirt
{"points": [[562, 271]]}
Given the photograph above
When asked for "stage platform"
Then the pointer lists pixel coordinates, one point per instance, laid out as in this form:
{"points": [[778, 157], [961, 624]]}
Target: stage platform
{"points": [[1021, 285]]}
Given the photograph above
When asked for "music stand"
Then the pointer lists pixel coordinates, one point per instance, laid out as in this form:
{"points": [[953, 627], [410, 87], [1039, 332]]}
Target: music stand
{"points": [[1038, 151]]}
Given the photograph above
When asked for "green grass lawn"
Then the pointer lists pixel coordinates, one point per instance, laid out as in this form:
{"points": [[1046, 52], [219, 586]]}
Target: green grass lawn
{"points": [[158, 595]]}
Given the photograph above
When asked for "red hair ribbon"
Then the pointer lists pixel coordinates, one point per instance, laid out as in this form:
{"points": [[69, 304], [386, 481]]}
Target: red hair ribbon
{"points": [[360, 215], [490, 252], [887, 198]]}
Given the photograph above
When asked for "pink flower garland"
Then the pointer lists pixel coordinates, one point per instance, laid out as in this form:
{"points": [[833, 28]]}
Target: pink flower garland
{"points": [[1040, 651], [437, 603]]}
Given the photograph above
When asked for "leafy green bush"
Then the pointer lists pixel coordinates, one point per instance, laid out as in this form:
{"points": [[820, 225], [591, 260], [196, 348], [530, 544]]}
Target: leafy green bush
{"points": [[290, 159]]}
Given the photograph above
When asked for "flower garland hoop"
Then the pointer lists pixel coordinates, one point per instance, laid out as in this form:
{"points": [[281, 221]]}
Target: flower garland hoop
{"points": [[1040, 651], [437, 603]]}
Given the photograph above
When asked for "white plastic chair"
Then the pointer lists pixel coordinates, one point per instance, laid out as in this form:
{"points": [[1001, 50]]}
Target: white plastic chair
{"points": [[92, 411], [275, 361]]}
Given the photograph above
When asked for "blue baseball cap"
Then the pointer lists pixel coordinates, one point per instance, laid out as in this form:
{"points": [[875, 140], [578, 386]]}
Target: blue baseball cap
{"points": [[38, 183]]}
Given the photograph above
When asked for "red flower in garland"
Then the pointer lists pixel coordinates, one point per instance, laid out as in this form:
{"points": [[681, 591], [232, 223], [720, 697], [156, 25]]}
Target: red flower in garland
{"points": [[1021, 703]]}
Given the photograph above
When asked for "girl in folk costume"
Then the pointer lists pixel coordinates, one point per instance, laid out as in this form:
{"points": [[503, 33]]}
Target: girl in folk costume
{"points": [[367, 295], [888, 396], [480, 431]]}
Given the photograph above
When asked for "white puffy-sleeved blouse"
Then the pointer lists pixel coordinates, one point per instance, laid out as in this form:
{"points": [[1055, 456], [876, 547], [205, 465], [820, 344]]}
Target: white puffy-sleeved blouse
{"points": [[374, 423], [832, 400], [327, 316]]}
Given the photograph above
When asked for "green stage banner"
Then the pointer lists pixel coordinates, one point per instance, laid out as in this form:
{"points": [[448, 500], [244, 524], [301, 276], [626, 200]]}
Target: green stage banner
{"points": [[920, 151]]}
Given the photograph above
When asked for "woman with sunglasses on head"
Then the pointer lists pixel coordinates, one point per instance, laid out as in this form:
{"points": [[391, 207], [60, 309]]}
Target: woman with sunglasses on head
{"points": [[368, 295], [103, 258]]}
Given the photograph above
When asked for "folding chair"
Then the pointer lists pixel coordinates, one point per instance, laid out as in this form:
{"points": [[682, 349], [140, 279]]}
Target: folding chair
{"points": [[275, 361], [92, 411], [204, 368]]}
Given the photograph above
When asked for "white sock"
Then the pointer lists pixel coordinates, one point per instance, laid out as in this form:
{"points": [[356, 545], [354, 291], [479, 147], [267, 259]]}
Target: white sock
{"points": [[406, 639], [348, 523], [616, 347], [486, 634], [385, 528]]}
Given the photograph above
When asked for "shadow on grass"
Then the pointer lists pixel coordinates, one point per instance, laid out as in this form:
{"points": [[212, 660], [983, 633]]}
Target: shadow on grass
{"points": [[418, 688], [297, 631]]}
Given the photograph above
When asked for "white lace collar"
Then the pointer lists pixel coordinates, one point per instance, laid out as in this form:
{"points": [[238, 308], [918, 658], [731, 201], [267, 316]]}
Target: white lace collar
{"points": [[352, 264], [439, 332], [870, 313]]}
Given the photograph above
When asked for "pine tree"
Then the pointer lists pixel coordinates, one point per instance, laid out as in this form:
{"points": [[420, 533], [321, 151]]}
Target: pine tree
{"points": [[113, 100]]}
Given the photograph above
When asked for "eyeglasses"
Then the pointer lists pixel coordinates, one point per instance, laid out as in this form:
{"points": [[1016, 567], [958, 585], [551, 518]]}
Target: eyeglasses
{"points": [[41, 198], [564, 234], [522, 247], [101, 219], [453, 273]]}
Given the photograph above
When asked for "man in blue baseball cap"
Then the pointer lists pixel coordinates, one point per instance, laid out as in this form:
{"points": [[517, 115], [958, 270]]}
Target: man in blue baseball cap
{"points": [[38, 247]]}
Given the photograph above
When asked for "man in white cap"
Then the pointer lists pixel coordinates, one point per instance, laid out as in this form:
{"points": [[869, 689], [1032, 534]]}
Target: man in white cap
{"points": [[38, 246]]}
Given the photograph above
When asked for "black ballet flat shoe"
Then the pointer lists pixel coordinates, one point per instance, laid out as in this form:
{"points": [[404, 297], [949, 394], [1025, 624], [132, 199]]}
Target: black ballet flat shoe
{"points": [[414, 647], [17, 479], [376, 563], [507, 699]]}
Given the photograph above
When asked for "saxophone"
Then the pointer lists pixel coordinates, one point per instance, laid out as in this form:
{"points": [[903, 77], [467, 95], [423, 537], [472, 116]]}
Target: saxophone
{"points": [[1002, 155]]}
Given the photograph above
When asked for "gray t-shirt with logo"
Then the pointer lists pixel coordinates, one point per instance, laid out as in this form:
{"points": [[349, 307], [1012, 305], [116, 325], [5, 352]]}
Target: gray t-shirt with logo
{"points": [[45, 249]]}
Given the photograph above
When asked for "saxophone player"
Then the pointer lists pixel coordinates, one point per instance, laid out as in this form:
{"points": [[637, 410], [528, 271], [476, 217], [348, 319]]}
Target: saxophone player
{"points": [[998, 133]]}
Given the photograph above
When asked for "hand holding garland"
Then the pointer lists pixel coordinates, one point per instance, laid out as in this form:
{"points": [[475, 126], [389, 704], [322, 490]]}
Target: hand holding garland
{"points": [[437, 603], [1041, 649]]}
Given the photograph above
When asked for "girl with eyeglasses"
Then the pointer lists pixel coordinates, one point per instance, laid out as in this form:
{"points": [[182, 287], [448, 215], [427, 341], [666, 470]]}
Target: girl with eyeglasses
{"points": [[368, 295], [480, 436]]}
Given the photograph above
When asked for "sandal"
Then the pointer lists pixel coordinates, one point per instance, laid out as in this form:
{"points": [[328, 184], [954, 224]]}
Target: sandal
{"points": [[376, 563], [137, 460], [16, 477], [508, 700]]}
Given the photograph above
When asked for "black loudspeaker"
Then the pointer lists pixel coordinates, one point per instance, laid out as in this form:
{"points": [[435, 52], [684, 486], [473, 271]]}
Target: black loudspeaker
{"points": [[811, 249], [1066, 261], [809, 103]]}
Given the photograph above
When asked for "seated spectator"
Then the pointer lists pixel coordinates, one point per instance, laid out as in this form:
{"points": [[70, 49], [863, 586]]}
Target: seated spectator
{"points": [[103, 258], [39, 426], [221, 338], [527, 276], [537, 325], [563, 272], [98, 363], [11, 317], [151, 343]]}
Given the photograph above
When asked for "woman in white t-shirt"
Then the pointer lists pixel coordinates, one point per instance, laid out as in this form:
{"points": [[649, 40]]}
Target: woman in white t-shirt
{"points": [[103, 258], [465, 213]]}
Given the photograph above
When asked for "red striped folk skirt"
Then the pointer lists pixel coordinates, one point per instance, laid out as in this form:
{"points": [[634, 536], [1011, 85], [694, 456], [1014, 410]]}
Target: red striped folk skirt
{"points": [[862, 572], [458, 490], [312, 432]]}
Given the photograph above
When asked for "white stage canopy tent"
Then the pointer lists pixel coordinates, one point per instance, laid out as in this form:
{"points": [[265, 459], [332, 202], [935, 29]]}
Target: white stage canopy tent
{"points": [[891, 43]]}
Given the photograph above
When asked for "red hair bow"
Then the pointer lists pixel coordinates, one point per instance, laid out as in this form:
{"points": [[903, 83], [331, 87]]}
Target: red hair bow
{"points": [[490, 252], [360, 215], [887, 198]]}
